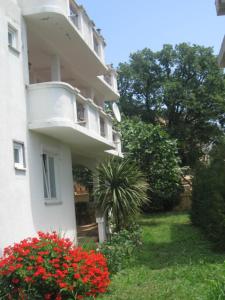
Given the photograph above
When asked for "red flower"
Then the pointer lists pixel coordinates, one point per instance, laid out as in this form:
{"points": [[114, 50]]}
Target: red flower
{"points": [[54, 263], [76, 276], [15, 280]]}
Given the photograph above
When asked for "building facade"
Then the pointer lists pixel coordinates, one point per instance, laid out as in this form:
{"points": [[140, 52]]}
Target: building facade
{"points": [[53, 82], [220, 8]]}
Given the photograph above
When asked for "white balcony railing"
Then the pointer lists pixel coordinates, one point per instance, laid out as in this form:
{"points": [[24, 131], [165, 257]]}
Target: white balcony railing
{"points": [[221, 56], [69, 10], [58, 104], [220, 7], [86, 28], [111, 78]]}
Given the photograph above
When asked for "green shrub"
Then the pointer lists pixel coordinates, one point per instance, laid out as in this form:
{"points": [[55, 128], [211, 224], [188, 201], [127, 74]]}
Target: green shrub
{"points": [[120, 249], [208, 197], [156, 155]]}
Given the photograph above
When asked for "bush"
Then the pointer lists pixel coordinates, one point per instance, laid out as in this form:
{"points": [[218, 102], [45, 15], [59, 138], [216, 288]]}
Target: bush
{"points": [[50, 267], [120, 249], [208, 197]]}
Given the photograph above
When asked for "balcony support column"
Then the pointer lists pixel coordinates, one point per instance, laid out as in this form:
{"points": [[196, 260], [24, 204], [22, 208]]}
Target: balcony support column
{"points": [[100, 218], [55, 68]]}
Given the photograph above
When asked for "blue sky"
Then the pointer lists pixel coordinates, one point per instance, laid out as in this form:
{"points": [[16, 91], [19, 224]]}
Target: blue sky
{"points": [[131, 25]]}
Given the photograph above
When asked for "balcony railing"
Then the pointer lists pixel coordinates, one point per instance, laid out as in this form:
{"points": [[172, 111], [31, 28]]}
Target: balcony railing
{"points": [[220, 7], [87, 29], [111, 78], [54, 104], [74, 19]]}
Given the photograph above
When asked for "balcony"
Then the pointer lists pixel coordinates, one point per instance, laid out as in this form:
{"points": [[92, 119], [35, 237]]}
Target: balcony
{"points": [[66, 27], [59, 110], [108, 84], [220, 7], [221, 56]]}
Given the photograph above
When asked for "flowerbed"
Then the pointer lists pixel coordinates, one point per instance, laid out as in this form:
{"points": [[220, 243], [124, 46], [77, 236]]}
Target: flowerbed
{"points": [[49, 267]]}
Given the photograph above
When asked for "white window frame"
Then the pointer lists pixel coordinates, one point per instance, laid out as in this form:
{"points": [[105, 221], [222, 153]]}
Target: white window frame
{"points": [[49, 200], [14, 44], [20, 164]]}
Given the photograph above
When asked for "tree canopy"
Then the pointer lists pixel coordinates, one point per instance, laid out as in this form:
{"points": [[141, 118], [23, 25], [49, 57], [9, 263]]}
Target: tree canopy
{"points": [[181, 88]]}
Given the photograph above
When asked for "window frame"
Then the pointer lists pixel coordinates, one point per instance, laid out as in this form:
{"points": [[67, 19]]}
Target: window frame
{"points": [[21, 164], [14, 44], [46, 179]]}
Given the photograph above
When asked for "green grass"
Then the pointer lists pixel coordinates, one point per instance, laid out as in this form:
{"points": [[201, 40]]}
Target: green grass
{"points": [[175, 262]]}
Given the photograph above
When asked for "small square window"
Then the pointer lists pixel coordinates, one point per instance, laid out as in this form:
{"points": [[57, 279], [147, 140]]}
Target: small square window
{"points": [[19, 156], [12, 37]]}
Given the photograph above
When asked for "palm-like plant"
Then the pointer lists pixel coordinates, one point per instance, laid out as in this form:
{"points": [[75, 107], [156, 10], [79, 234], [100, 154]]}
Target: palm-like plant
{"points": [[121, 190]]}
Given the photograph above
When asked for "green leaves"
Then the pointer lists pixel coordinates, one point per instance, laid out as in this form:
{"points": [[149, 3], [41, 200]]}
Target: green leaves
{"points": [[121, 190], [208, 197], [156, 154], [181, 87]]}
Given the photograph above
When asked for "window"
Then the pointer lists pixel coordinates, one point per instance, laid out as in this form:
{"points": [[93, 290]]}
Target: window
{"points": [[81, 114], [96, 45], [74, 16], [102, 127], [12, 37], [19, 156], [49, 177]]}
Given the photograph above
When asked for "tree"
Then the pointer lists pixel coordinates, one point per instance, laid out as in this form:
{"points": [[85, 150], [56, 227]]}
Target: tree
{"points": [[179, 87], [121, 191], [156, 154]]}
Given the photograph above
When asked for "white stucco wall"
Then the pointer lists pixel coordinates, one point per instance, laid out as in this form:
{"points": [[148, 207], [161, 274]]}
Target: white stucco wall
{"points": [[22, 208], [58, 215], [15, 213]]}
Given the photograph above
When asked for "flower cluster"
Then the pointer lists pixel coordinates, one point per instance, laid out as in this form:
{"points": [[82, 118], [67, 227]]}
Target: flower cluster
{"points": [[49, 267]]}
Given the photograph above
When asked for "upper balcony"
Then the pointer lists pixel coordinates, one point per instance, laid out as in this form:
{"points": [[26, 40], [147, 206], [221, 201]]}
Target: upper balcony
{"points": [[57, 28], [221, 56], [220, 7], [59, 110], [66, 27]]}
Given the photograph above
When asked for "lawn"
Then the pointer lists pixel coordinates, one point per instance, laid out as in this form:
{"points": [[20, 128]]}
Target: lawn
{"points": [[175, 262]]}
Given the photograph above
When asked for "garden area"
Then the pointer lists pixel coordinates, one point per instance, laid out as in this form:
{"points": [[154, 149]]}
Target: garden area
{"points": [[174, 262]]}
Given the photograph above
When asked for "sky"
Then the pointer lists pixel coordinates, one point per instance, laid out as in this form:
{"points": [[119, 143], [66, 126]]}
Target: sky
{"points": [[131, 25]]}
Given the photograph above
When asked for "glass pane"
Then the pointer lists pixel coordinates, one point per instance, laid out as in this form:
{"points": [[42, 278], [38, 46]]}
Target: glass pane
{"points": [[52, 177], [10, 38], [96, 46], [80, 112], [102, 127], [45, 175], [16, 156]]}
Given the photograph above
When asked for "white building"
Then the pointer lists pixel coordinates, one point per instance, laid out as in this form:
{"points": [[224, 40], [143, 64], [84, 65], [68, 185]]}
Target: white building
{"points": [[53, 84], [220, 8]]}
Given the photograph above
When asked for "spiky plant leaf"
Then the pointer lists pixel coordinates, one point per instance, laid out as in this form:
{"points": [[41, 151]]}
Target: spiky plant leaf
{"points": [[121, 190]]}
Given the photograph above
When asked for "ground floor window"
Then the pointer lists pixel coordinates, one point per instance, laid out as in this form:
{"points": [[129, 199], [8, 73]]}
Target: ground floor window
{"points": [[49, 176]]}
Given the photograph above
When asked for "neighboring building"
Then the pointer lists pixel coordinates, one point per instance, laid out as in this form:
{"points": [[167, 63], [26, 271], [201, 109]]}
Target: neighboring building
{"points": [[53, 83], [220, 8]]}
